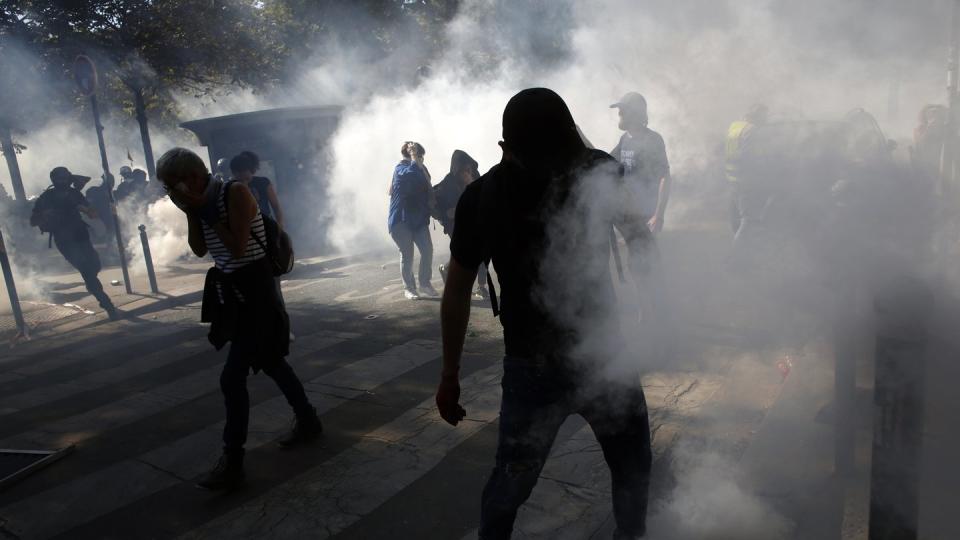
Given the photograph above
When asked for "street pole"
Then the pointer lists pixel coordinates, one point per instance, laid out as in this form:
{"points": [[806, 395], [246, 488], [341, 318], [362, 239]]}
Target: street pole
{"points": [[85, 75], [148, 259], [113, 203], [10, 154], [144, 132], [12, 289]]}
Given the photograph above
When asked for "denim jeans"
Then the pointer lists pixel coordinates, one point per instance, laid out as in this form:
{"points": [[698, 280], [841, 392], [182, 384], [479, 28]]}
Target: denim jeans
{"points": [[536, 401], [233, 384], [80, 253], [406, 238]]}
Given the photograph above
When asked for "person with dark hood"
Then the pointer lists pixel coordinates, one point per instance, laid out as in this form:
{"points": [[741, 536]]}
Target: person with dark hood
{"points": [[57, 211], [543, 216], [463, 171], [408, 219], [240, 301]]}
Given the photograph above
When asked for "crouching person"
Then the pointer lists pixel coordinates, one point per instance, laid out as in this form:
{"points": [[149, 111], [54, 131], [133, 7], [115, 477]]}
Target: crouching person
{"points": [[240, 301]]}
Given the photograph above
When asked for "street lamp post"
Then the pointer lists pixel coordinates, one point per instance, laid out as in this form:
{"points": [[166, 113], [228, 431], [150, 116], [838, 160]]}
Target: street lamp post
{"points": [[85, 74]]}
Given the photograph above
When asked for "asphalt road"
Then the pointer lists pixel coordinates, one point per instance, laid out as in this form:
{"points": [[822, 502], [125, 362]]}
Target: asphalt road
{"points": [[140, 400]]}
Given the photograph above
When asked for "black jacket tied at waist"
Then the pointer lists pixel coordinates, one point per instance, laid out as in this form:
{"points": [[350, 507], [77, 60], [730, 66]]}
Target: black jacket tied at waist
{"points": [[244, 307]]}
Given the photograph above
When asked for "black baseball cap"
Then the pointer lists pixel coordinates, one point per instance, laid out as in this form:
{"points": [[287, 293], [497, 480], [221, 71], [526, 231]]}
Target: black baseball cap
{"points": [[63, 173]]}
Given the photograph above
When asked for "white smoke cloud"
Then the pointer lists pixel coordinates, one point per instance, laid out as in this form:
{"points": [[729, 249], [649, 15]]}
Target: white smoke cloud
{"points": [[709, 503], [166, 230]]}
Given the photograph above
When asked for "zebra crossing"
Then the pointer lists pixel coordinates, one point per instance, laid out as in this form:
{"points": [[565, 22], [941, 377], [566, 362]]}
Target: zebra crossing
{"points": [[138, 454]]}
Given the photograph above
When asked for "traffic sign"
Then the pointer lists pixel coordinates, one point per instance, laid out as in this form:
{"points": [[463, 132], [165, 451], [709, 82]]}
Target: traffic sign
{"points": [[85, 74]]}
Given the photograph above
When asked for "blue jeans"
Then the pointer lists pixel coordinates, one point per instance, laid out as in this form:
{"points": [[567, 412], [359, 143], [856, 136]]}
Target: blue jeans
{"points": [[536, 401], [406, 238]]}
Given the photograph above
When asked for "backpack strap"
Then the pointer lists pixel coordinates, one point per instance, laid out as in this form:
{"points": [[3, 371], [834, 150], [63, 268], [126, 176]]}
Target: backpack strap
{"points": [[488, 213]]}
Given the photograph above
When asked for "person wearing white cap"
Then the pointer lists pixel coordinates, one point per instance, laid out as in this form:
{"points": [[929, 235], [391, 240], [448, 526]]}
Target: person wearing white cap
{"points": [[643, 155]]}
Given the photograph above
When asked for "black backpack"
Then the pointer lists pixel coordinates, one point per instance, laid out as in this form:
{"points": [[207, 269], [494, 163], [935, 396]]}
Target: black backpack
{"points": [[277, 244]]}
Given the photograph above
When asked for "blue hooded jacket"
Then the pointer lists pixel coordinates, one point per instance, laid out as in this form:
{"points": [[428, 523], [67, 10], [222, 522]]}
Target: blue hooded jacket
{"points": [[409, 196]]}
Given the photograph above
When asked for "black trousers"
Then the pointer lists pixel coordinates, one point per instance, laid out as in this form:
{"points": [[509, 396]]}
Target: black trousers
{"points": [[536, 401], [233, 384], [79, 252]]}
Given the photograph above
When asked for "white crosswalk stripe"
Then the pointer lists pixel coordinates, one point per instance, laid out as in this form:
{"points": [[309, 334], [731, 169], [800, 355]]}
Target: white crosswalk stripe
{"points": [[80, 427], [572, 499], [14, 402], [342, 490], [189, 456]]}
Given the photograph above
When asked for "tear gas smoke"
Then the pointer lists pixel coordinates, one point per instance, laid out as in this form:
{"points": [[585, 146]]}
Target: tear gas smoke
{"points": [[708, 503], [700, 66]]}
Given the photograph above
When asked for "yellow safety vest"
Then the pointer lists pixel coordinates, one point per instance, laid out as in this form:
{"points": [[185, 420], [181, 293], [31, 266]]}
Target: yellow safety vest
{"points": [[735, 134]]}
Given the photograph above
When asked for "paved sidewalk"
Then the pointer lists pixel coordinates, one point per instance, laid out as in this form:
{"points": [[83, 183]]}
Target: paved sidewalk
{"points": [[68, 306]]}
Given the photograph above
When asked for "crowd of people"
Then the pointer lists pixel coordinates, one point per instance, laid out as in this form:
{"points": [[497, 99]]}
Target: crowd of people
{"points": [[640, 152], [506, 217], [544, 217]]}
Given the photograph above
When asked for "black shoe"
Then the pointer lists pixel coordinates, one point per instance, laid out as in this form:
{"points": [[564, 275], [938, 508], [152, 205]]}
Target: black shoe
{"points": [[226, 475], [113, 314], [304, 430]]}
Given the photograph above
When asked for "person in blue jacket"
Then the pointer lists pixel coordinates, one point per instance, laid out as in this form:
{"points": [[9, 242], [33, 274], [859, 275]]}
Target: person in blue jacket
{"points": [[409, 217]]}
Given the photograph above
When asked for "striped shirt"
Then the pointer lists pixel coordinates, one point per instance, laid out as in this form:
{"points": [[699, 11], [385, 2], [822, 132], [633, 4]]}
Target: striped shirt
{"points": [[222, 257]]}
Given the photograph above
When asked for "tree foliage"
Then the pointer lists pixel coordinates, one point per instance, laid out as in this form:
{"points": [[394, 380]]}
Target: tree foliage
{"points": [[192, 47]]}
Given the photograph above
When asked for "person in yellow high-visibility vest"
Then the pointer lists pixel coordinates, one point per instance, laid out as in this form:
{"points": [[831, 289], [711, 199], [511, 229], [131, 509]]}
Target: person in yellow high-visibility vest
{"points": [[738, 136]]}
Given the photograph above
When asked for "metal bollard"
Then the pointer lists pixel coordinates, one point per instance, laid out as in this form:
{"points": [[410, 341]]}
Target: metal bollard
{"points": [[12, 289], [148, 259], [845, 345], [903, 313]]}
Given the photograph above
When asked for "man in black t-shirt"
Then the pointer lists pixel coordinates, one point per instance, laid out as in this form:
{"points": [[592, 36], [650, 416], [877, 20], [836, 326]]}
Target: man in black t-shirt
{"points": [[543, 216], [57, 211], [643, 155]]}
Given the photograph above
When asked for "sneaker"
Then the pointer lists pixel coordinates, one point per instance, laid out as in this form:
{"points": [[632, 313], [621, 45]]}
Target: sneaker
{"points": [[410, 295], [482, 293], [303, 430], [428, 290], [226, 475], [443, 273]]}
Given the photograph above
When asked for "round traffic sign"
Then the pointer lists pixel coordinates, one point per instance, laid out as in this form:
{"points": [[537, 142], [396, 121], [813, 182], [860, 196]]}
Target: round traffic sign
{"points": [[85, 74]]}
